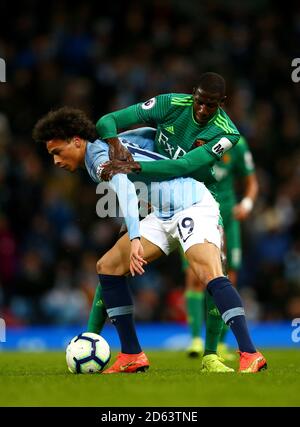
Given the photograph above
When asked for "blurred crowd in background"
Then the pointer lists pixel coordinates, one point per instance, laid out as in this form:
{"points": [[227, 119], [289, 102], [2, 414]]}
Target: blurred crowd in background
{"points": [[102, 56]]}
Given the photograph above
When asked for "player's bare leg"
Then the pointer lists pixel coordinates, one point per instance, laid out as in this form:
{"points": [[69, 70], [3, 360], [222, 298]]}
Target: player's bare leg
{"points": [[117, 262], [112, 268], [203, 273], [98, 313], [205, 260]]}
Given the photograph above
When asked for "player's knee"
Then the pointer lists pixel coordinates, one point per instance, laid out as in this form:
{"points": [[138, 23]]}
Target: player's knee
{"points": [[104, 266], [192, 282], [107, 265], [206, 273]]}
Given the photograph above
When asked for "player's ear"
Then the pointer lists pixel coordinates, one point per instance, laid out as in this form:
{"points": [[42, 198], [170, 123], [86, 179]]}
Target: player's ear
{"points": [[77, 141]]}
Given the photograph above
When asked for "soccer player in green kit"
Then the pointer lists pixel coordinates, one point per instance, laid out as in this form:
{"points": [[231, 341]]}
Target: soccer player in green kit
{"points": [[193, 126], [237, 164]]}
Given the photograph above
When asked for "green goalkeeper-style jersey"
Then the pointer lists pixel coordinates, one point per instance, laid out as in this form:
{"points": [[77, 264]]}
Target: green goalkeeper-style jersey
{"points": [[177, 134], [236, 163]]}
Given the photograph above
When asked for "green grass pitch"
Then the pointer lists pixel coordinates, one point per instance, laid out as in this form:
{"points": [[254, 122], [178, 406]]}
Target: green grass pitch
{"points": [[42, 379]]}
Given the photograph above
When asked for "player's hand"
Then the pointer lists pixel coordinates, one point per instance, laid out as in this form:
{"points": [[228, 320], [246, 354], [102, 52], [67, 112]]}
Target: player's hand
{"points": [[240, 212], [137, 260], [117, 151], [109, 169]]}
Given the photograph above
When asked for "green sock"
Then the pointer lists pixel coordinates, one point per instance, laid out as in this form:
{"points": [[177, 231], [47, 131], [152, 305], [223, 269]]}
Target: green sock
{"points": [[195, 311], [98, 313], [214, 324], [224, 332]]}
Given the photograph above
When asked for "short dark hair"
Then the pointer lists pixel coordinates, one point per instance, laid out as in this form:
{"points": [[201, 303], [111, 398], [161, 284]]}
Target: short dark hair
{"points": [[64, 123], [212, 83]]}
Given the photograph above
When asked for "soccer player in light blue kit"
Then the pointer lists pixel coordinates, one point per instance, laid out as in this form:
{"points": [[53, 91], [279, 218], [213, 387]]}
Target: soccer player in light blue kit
{"points": [[184, 212]]}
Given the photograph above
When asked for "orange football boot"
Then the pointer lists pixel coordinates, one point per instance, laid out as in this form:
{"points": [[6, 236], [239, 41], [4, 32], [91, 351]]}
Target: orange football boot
{"points": [[129, 363], [252, 362]]}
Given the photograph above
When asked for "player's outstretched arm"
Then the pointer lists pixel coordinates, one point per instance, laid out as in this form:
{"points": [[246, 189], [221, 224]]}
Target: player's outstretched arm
{"points": [[162, 169], [151, 112], [188, 165]]}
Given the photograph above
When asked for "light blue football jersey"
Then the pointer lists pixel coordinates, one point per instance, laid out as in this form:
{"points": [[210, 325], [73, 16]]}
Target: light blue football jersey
{"points": [[166, 197]]}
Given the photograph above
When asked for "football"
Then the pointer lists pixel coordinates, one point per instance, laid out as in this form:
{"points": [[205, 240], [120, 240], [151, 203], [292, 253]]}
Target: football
{"points": [[87, 353]]}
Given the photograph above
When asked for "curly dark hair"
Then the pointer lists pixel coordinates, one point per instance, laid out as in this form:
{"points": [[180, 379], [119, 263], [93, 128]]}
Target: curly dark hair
{"points": [[64, 123]]}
